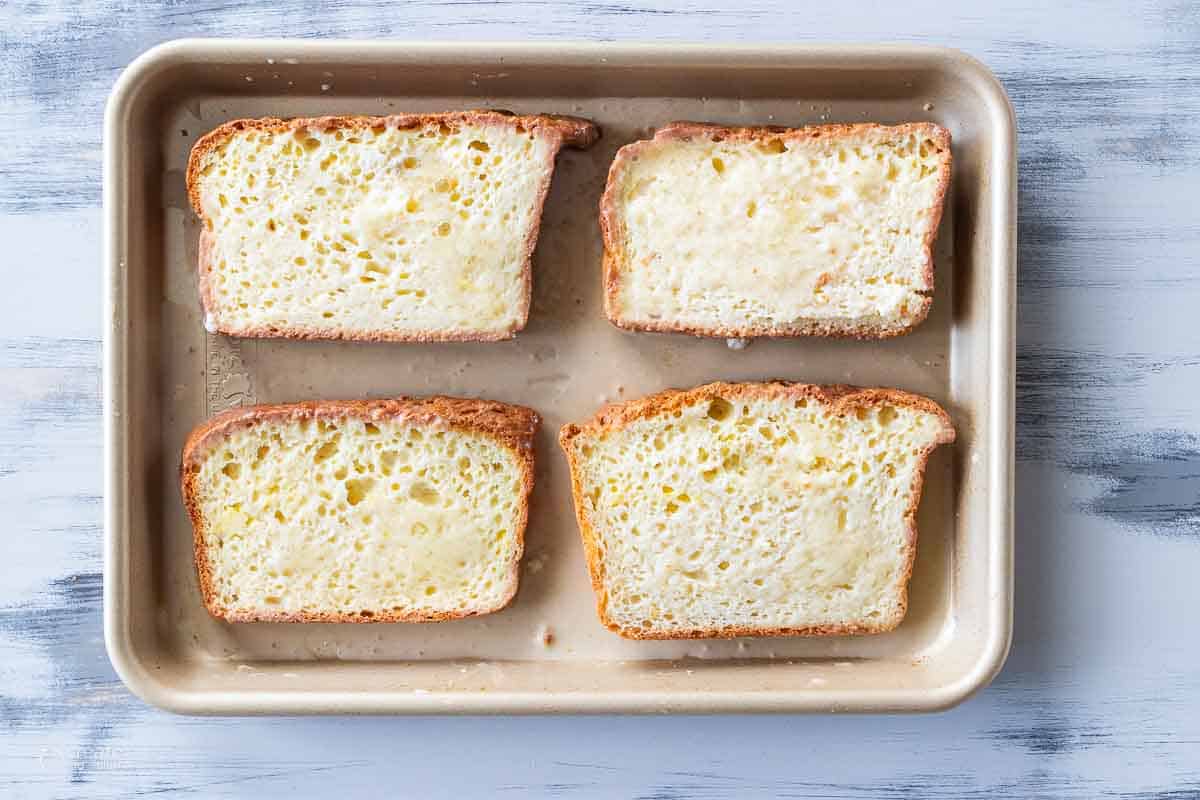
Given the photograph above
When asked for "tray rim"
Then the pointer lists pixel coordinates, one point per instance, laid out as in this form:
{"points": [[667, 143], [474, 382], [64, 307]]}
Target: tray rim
{"points": [[1001, 203]]}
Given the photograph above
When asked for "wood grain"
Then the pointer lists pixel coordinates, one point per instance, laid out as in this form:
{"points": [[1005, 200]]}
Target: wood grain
{"points": [[1101, 694]]}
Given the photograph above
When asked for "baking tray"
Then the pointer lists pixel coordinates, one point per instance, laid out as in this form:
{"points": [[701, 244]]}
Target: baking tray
{"points": [[164, 374]]}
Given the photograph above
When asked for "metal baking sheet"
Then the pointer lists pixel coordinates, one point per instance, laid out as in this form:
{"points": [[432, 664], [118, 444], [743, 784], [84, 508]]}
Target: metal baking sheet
{"points": [[164, 374]]}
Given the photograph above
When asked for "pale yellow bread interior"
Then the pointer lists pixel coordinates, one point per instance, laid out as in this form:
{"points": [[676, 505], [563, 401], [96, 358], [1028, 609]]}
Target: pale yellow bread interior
{"points": [[743, 509], [354, 514], [745, 232], [374, 228]]}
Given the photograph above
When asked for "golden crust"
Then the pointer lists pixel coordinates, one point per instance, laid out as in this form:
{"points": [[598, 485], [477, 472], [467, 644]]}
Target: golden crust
{"points": [[561, 130], [512, 426], [841, 399], [613, 234]]}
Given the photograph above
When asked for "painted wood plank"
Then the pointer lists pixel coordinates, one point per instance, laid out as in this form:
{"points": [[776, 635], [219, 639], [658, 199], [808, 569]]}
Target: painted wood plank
{"points": [[1101, 695]]}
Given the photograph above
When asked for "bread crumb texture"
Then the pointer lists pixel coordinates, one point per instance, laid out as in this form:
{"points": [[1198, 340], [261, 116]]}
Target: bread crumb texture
{"points": [[358, 229], [760, 231], [356, 517], [735, 514]]}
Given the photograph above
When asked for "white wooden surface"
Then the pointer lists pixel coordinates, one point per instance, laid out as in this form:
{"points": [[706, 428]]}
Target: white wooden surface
{"points": [[1101, 696]]}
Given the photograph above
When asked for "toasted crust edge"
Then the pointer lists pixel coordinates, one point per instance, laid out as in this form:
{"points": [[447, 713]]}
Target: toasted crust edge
{"points": [[514, 427], [842, 399], [610, 229], [562, 130]]}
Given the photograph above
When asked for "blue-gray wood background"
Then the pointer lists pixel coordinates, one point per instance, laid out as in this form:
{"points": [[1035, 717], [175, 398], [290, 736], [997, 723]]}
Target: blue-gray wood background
{"points": [[1101, 695]]}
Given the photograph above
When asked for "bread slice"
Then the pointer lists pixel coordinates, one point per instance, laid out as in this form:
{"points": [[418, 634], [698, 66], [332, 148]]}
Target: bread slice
{"points": [[408, 510], [744, 232], [755, 509], [415, 227]]}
